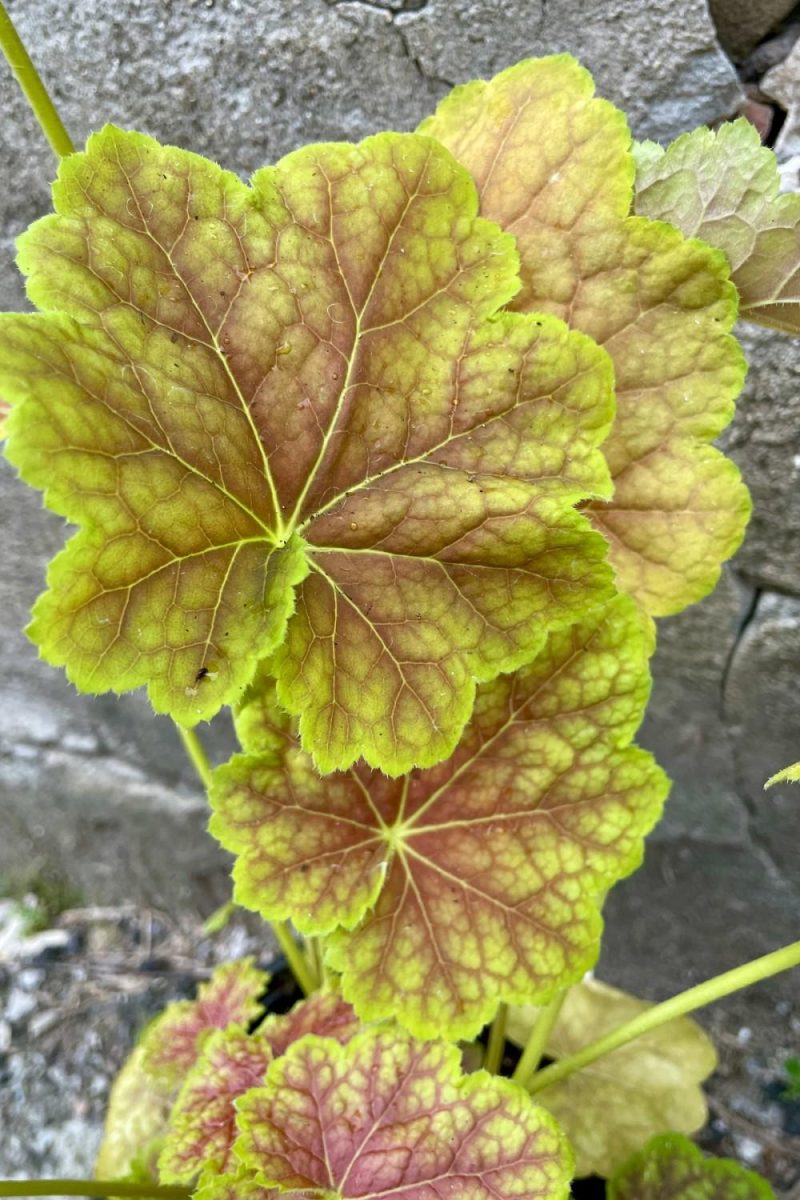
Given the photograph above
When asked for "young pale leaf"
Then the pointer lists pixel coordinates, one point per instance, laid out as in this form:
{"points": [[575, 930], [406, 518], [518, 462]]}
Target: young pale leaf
{"points": [[202, 1127], [387, 1114], [136, 1120], [724, 186], [286, 423], [787, 775], [324, 1012], [144, 1091], [670, 1167], [475, 881], [610, 1108], [239, 1186], [554, 167], [230, 997]]}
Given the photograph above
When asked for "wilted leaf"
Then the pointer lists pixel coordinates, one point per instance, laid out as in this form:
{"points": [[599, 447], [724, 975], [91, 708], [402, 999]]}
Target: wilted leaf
{"points": [[230, 997], [670, 1167], [385, 1114], [554, 167], [611, 1107], [202, 1127], [285, 422], [787, 775], [475, 881], [324, 1013], [723, 187]]}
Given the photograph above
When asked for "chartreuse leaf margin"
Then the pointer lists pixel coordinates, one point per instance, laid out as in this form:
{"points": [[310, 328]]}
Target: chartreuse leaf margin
{"points": [[670, 1167], [385, 1114], [554, 167], [723, 186], [289, 421], [453, 888]]}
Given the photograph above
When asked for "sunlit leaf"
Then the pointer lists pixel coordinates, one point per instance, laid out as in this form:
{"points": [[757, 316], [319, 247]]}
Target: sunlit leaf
{"points": [[787, 775], [230, 997], [287, 425], [478, 880], [203, 1122], [723, 187], [670, 1167], [239, 1186], [554, 167], [324, 1013], [611, 1107], [385, 1114]]}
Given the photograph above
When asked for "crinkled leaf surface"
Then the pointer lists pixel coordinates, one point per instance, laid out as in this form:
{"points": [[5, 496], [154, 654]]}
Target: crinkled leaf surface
{"points": [[787, 775], [239, 1186], [670, 1167], [554, 167], [230, 997], [723, 187], [203, 1122], [387, 1114], [144, 1090], [610, 1108], [284, 421], [324, 1012], [475, 881]]}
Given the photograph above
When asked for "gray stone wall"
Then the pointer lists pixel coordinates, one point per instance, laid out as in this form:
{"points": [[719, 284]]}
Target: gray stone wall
{"points": [[97, 789]]}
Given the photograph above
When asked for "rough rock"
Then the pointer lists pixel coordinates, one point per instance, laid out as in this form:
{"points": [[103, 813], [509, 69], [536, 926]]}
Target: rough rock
{"points": [[622, 42], [782, 83], [741, 24]]}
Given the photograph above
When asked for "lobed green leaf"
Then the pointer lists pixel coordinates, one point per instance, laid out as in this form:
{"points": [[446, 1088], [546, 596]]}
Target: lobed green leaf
{"points": [[290, 423], [670, 1167], [553, 166], [476, 881], [386, 1114], [723, 186]]}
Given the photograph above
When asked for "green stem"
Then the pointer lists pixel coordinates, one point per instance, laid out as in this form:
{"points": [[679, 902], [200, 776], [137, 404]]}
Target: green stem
{"points": [[535, 1046], [35, 92], [194, 748], [686, 1002], [294, 957], [90, 1187], [493, 1058], [293, 953]]}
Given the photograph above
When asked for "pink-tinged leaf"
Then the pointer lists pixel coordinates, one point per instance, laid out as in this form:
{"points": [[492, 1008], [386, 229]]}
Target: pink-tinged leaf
{"points": [[387, 1114], [723, 186], [323, 1013], [5, 409], [203, 1122], [670, 1167], [291, 423], [554, 167], [476, 881], [230, 997]]}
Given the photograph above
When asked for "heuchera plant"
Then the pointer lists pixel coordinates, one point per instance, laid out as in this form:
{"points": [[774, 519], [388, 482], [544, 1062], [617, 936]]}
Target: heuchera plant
{"points": [[397, 452]]}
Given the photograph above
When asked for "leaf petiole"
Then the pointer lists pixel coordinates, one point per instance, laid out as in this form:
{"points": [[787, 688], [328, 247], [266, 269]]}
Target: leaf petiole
{"points": [[34, 90], [535, 1046], [677, 1006], [90, 1187], [493, 1059]]}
